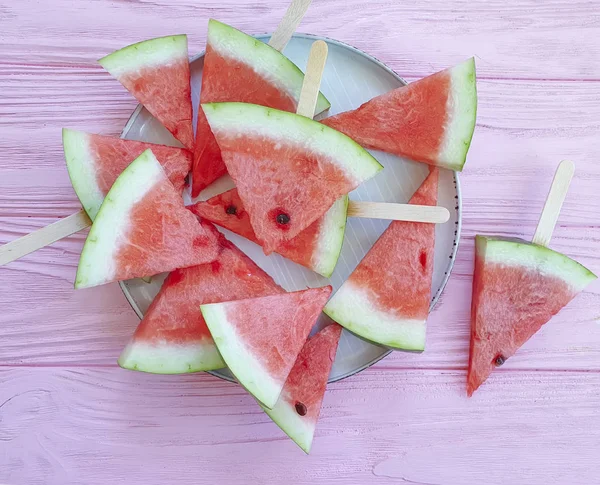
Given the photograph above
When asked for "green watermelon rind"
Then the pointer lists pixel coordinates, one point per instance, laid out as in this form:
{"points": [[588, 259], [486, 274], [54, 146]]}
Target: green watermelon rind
{"points": [[462, 115], [281, 126], [351, 308], [331, 238], [171, 358], [516, 252], [245, 367], [148, 53], [96, 265], [81, 170], [264, 59]]}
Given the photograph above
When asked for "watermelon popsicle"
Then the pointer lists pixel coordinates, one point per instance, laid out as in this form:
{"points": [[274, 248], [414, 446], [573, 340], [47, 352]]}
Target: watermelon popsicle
{"points": [[157, 73], [240, 68], [431, 120], [386, 299], [518, 286], [142, 229]]}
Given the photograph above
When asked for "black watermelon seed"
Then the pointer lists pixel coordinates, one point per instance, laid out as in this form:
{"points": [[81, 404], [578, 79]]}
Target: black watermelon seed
{"points": [[231, 209], [283, 218], [301, 409], [499, 360]]}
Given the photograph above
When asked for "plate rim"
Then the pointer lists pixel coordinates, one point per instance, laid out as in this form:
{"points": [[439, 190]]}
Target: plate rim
{"points": [[458, 223]]}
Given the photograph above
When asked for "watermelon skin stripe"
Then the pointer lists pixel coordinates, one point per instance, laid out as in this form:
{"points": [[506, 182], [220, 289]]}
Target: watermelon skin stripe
{"points": [[245, 366], [97, 265], [267, 62], [168, 358], [518, 253], [242, 118], [462, 114], [352, 308]]}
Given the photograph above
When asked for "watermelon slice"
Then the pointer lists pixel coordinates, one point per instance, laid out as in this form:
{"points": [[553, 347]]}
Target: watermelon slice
{"points": [[297, 410], [288, 169], [142, 228], [238, 67], [517, 287], [157, 73], [386, 299], [430, 121], [318, 247], [173, 337], [94, 162], [260, 338]]}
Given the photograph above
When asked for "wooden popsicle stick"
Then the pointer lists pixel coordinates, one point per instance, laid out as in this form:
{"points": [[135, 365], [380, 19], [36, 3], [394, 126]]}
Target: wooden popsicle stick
{"points": [[43, 237], [312, 79], [289, 23], [398, 212], [554, 201]]}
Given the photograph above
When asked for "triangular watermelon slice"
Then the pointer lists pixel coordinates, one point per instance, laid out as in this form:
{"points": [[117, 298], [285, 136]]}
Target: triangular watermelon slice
{"points": [[157, 73], [173, 338], [430, 121], [387, 297], [142, 228], [517, 287], [94, 162], [299, 405], [288, 169], [260, 338], [238, 67], [318, 247]]}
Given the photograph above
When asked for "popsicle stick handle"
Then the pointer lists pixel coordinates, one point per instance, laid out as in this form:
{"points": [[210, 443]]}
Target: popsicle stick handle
{"points": [[43, 237], [554, 201], [289, 23], [398, 212], [312, 79]]}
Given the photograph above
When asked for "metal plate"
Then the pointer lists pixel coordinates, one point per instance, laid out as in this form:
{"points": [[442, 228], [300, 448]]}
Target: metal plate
{"points": [[351, 77]]}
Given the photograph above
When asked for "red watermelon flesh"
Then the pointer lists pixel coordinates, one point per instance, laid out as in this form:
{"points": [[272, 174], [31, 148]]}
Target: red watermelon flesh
{"points": [[317, 247], [157, 73], [386, 299], [238, 67], [173, 338], [260, 338], [517, 288], [143, 229], [299, 405], [430, 120], [288, 169], [95, 161]]}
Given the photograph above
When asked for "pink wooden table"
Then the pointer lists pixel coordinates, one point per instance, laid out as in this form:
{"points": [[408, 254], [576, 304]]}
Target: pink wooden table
{"points": [[68, 414]]}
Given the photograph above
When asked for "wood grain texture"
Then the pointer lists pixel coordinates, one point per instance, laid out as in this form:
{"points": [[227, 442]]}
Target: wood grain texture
{"points": [[105, 425], [69, 415]]}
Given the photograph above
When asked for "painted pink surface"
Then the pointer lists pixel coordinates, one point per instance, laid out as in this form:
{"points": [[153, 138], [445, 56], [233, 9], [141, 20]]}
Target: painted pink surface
{"points": [[69, 415]]}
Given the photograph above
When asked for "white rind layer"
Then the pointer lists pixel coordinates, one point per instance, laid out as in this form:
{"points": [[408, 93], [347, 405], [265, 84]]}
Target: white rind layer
{"points": [[97, 265], [168, 358], [298, 428], [462, 112], [147, 54], [522, 254], [331, 238], [352, 309], [242, 119], [267, 62], [241, 362], [82, 170]]}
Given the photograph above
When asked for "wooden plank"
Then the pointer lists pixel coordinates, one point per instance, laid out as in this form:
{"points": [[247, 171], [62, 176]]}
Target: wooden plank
{"points": [[526, 39], [111, 425], [91, 326]]}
